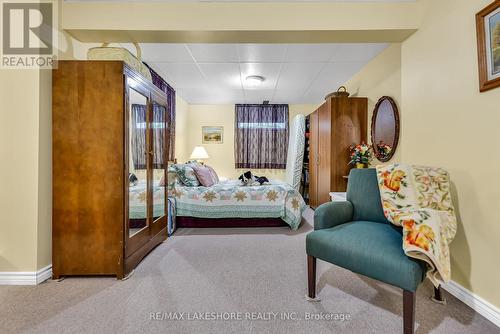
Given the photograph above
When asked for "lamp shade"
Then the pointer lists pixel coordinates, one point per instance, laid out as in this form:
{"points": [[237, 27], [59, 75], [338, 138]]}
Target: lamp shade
{"points": [[199, 152]]}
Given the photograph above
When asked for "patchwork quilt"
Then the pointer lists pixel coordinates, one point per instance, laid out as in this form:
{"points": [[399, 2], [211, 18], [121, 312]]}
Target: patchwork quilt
{"points": [[230, 199], [138, 201], [418, 199]]}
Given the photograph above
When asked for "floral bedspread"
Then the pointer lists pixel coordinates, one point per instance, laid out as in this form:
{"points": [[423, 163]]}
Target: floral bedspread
{"points": [[418, 199], [138, 201], [231, 200]]}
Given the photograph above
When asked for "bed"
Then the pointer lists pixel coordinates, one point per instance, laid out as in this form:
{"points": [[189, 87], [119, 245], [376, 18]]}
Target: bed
{"points": [[230, 204], [137, 206]]}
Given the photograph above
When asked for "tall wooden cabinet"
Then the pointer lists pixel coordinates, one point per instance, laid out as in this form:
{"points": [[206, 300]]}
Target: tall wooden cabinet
{"points": [[335, 126], [108, 123]]}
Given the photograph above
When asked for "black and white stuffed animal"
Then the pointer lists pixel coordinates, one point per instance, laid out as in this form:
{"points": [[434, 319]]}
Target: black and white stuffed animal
{"points": [[132, 179], [248, 179]]}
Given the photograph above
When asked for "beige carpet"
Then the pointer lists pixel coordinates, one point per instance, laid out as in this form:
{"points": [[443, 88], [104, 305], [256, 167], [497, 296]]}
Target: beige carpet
{"points": [[227, 270]]}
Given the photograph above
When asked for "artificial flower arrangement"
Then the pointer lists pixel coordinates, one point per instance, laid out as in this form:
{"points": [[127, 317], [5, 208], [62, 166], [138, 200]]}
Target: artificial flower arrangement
{"points": [[384, 149], [361, 154]]}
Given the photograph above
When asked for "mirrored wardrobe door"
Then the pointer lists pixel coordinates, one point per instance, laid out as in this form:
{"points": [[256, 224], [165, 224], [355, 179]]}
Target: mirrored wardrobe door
{"points": [[159, 129], [138, 162]]}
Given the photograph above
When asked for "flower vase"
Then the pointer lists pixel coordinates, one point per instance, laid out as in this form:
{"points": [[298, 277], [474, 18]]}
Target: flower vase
{"points": [[360, 165]]}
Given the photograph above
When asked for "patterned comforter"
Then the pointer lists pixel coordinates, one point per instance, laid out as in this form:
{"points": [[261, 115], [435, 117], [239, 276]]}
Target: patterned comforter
{"points": [[231, 200], [138, 200]]}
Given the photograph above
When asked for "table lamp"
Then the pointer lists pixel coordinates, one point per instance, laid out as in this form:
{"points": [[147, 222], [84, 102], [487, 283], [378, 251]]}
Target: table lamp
{"points": [[199, 153]]}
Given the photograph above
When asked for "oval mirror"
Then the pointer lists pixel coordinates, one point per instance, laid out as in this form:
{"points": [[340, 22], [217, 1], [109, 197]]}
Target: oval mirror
{"points": [[385, 128]]}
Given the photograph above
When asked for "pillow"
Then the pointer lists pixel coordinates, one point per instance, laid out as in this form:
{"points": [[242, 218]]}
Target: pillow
{"points": [[186, 174], [214, 174], [205, 175], [162, 181]]}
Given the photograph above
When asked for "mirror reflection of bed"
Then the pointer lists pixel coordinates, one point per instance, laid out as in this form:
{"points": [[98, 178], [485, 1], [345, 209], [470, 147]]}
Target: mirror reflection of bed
{"points": [[138, 160]]}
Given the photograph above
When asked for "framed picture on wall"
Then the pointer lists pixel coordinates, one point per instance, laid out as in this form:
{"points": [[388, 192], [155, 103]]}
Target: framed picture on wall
{"points": [[488, 46], [212, 134]]}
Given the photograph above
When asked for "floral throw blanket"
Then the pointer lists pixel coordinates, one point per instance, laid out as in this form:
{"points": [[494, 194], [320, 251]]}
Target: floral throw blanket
{"points": [[417, 198]]}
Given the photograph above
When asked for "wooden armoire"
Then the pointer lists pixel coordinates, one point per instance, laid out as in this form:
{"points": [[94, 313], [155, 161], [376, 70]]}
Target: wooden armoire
{"points": [[335, 126], [108, 123]]}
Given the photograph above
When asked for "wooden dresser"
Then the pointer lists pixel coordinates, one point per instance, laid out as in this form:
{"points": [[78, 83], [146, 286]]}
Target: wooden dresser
{"points": [[335, 126], [107, 122]]}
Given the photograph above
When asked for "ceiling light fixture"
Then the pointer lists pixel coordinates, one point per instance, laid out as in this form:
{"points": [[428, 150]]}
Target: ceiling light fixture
{"points": [[254, 80]]}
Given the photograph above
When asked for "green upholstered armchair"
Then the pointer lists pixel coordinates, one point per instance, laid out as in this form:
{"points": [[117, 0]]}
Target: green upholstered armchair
{"points": [[356, 235]]}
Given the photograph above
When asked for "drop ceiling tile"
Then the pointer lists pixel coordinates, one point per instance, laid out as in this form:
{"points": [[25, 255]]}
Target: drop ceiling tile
{"points": [[211, 95], [334, 75], [290, 96], [298, 76], [357, 52], [269, 71], [222, 75], [262, 53], [317, 96], [214, 53], [258, 95], [181, 75], [309, 52]]}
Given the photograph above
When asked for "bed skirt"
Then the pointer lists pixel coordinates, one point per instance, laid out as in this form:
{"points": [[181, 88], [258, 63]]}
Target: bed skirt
{"points": [[229, 222]]}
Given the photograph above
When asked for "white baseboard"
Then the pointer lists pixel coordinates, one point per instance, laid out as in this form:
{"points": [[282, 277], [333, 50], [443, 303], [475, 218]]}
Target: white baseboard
{"points": [[25, 277], [478, 304]]}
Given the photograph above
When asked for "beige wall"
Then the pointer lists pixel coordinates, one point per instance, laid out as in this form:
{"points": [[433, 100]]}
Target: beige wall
{"points": [[222, 22], [181, 129], [22, 168], [447, 122], [222, 155], [380, 77]]}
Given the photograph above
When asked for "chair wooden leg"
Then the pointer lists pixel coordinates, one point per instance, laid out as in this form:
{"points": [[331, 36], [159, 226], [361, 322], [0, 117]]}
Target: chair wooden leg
{"points": [[408, 312], [311, 271], [438, 294]]}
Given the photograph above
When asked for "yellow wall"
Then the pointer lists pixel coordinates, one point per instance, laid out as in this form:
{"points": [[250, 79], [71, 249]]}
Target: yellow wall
{"points": [[380, 77], [277, 22], [19, 147], [181, 129], [222, 155], [447, 122]]}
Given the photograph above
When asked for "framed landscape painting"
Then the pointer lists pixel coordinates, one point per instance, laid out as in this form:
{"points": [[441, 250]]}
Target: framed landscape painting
{"points": [[212, 134], [488, 46]]}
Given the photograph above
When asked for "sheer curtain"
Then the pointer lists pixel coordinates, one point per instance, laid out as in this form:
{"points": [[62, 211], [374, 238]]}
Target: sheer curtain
{"points": [[261, 136], [138, 140], [158, 129]]}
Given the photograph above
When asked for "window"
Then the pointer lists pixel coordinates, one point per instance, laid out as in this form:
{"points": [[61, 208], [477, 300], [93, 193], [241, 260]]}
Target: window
{"points": [[261, 136], [138, 135]]}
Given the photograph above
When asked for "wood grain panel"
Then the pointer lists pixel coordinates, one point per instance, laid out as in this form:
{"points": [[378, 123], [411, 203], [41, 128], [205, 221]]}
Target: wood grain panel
{"points": [[336, 125], [313, 158], [349, 127], [87, 136], [325, 152]]}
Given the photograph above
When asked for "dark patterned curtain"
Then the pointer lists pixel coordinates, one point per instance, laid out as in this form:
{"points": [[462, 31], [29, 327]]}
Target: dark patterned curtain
{"points": [[165, 87], [139, 136], [158, 131], [261, 135]]}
